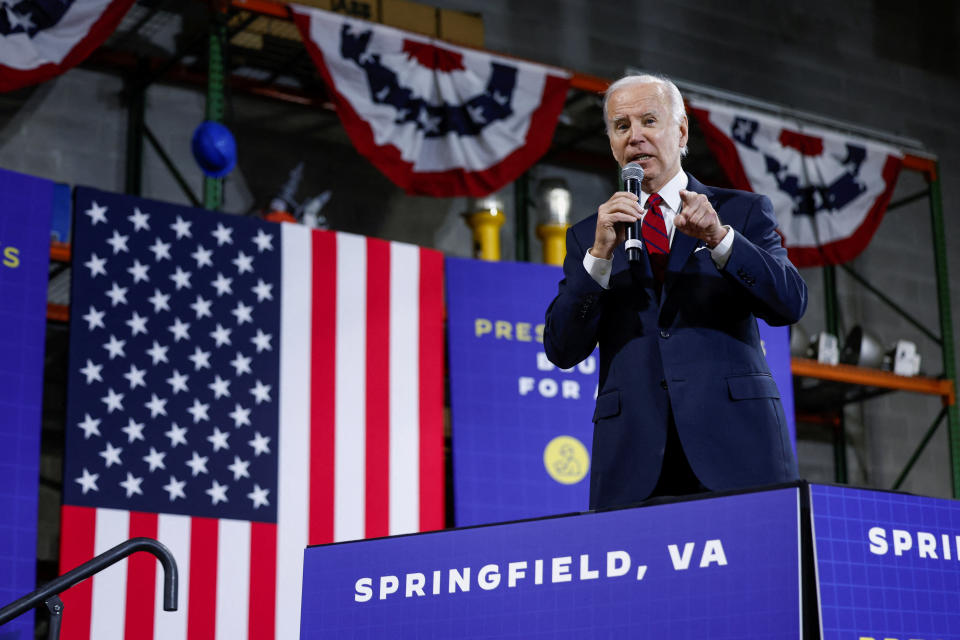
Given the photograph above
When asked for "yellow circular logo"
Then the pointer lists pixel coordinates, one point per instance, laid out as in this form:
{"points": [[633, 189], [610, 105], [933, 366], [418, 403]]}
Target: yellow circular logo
{"points": [[566, 460]]}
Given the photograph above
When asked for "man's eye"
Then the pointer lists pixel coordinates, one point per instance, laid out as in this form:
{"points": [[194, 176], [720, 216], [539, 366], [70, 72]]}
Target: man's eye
{"points": [[622, 126], [649, 122]]}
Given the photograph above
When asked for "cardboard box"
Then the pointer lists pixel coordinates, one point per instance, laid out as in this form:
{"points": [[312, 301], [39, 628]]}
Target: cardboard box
{"points": [[410, 16], [461, 28]]}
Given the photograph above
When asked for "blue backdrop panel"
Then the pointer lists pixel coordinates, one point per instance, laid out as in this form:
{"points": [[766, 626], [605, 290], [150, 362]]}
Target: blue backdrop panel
{"points": [[718, 568], [25, 211], [508, 402], [888, 564], [522, 429]]}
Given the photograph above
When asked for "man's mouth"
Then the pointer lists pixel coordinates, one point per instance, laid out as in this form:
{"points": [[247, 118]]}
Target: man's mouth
{"points": [[641, 157]]}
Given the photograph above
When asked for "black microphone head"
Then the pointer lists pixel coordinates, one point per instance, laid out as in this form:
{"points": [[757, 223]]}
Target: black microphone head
{"points": [[633, 171]]}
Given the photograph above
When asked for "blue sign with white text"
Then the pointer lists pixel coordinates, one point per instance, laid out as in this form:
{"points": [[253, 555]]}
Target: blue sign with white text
{"points": [[718, 568], [522, 429], [25, 211], [888, 564]]}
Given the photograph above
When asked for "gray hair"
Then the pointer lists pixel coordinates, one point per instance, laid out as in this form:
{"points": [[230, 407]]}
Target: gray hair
{"points": [[677, 108]]}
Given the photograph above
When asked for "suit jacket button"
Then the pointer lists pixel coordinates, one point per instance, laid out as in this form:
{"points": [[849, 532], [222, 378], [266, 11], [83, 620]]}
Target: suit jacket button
{"points": [[663, 384], [664, 333]]}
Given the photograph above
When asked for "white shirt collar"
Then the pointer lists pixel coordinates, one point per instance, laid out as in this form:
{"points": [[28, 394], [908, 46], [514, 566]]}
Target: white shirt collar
{"points": [[670, 192]]}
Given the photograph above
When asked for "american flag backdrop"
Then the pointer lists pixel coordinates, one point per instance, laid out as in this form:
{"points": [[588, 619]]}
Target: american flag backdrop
{"points": [[238, 390]]}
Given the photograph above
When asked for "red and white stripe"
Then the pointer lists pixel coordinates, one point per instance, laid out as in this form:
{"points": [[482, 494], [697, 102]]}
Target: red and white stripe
{"points": [[26, 60], [360, 454]]}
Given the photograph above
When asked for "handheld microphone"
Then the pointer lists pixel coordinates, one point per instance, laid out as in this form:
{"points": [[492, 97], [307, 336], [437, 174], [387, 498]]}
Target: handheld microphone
{"points": [[632, 176]]}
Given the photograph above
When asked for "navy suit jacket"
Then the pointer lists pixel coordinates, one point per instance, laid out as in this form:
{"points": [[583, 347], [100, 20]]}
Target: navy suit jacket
{"points": [[692, 348]]}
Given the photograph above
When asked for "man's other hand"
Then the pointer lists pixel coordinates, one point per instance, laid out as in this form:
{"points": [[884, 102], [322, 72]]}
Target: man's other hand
{"points": [[697, 218]]}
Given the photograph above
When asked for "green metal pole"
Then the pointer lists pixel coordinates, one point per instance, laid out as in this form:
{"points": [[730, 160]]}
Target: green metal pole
{"points": [[213, 187], [833, 327], [946, 324], [521, 200], [916, 453]]}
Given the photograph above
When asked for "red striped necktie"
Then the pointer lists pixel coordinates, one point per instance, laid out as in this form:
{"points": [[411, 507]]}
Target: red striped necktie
{"points": [[655, 237], [654, 228]]}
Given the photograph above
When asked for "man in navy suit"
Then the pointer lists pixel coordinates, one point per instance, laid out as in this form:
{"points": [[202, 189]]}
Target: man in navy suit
{"points": [[686, 402]]}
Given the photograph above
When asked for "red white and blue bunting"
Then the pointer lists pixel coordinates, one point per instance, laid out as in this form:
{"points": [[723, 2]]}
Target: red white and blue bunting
{"points": [[40, 40], [436, 119], [829, 190]]}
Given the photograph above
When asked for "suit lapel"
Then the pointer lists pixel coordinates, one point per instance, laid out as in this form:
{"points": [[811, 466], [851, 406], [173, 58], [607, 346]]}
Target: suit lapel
{"points": [[683, 245]]}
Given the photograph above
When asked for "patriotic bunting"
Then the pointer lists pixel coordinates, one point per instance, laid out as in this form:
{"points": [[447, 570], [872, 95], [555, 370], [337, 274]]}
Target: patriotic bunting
{"points": [[40, 40], [238, 390], [436, 119], [829, 190]]}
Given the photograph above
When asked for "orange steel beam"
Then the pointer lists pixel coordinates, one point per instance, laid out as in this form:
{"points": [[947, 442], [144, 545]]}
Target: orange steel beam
{"points": [[266, 7], [58, 312], [60, 251], [873, 378], [925, 166]]}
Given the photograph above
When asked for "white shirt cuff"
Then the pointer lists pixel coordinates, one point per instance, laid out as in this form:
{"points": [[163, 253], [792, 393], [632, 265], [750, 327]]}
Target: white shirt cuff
{"points": [[599, 269], [721, 252]]}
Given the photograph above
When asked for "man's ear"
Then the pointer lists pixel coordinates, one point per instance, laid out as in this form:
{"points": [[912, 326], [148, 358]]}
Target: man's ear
{"points": [[684, 131]]}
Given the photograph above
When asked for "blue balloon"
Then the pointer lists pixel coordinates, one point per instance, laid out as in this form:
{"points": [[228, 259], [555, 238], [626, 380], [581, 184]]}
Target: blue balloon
{"points": [[214, 149]]}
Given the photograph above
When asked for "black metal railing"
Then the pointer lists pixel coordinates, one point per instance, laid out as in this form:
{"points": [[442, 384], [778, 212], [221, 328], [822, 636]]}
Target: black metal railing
{"points": [[48, 595]]}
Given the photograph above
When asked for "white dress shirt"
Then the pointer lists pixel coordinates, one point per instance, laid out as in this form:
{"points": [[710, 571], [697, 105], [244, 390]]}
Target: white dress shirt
{"points": [[599, 268]]}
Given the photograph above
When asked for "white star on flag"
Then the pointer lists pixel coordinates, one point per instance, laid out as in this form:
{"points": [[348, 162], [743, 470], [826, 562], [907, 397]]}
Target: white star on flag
{"points": [[264, 241], [94, 319], [177, 435], [118, 242], [132, 485], [134, 430], [139, 220], [175, 488], [217, 492], [259, 496], [218, 439], [139, 271], [182, 228], [202, 256], [160, 301], [96, 265], [90, 426], [137, 377], [113, 400], [161, 250], [177, 382], [155, 459], [137, 324], [111, 455], [97, 213], [88, 481], [197, 464], [260, 444], [92, 371], [224, 235], [117, 295]]}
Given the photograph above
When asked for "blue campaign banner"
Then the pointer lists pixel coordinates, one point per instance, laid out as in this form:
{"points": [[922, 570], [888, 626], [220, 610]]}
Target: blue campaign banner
{"points": [[25, 211], [888, 564], [725, 567], [522, 429]]}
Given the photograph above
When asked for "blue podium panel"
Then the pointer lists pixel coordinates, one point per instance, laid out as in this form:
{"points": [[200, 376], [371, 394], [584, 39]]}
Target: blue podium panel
{"points": [[726, 567], [888, 564]]}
